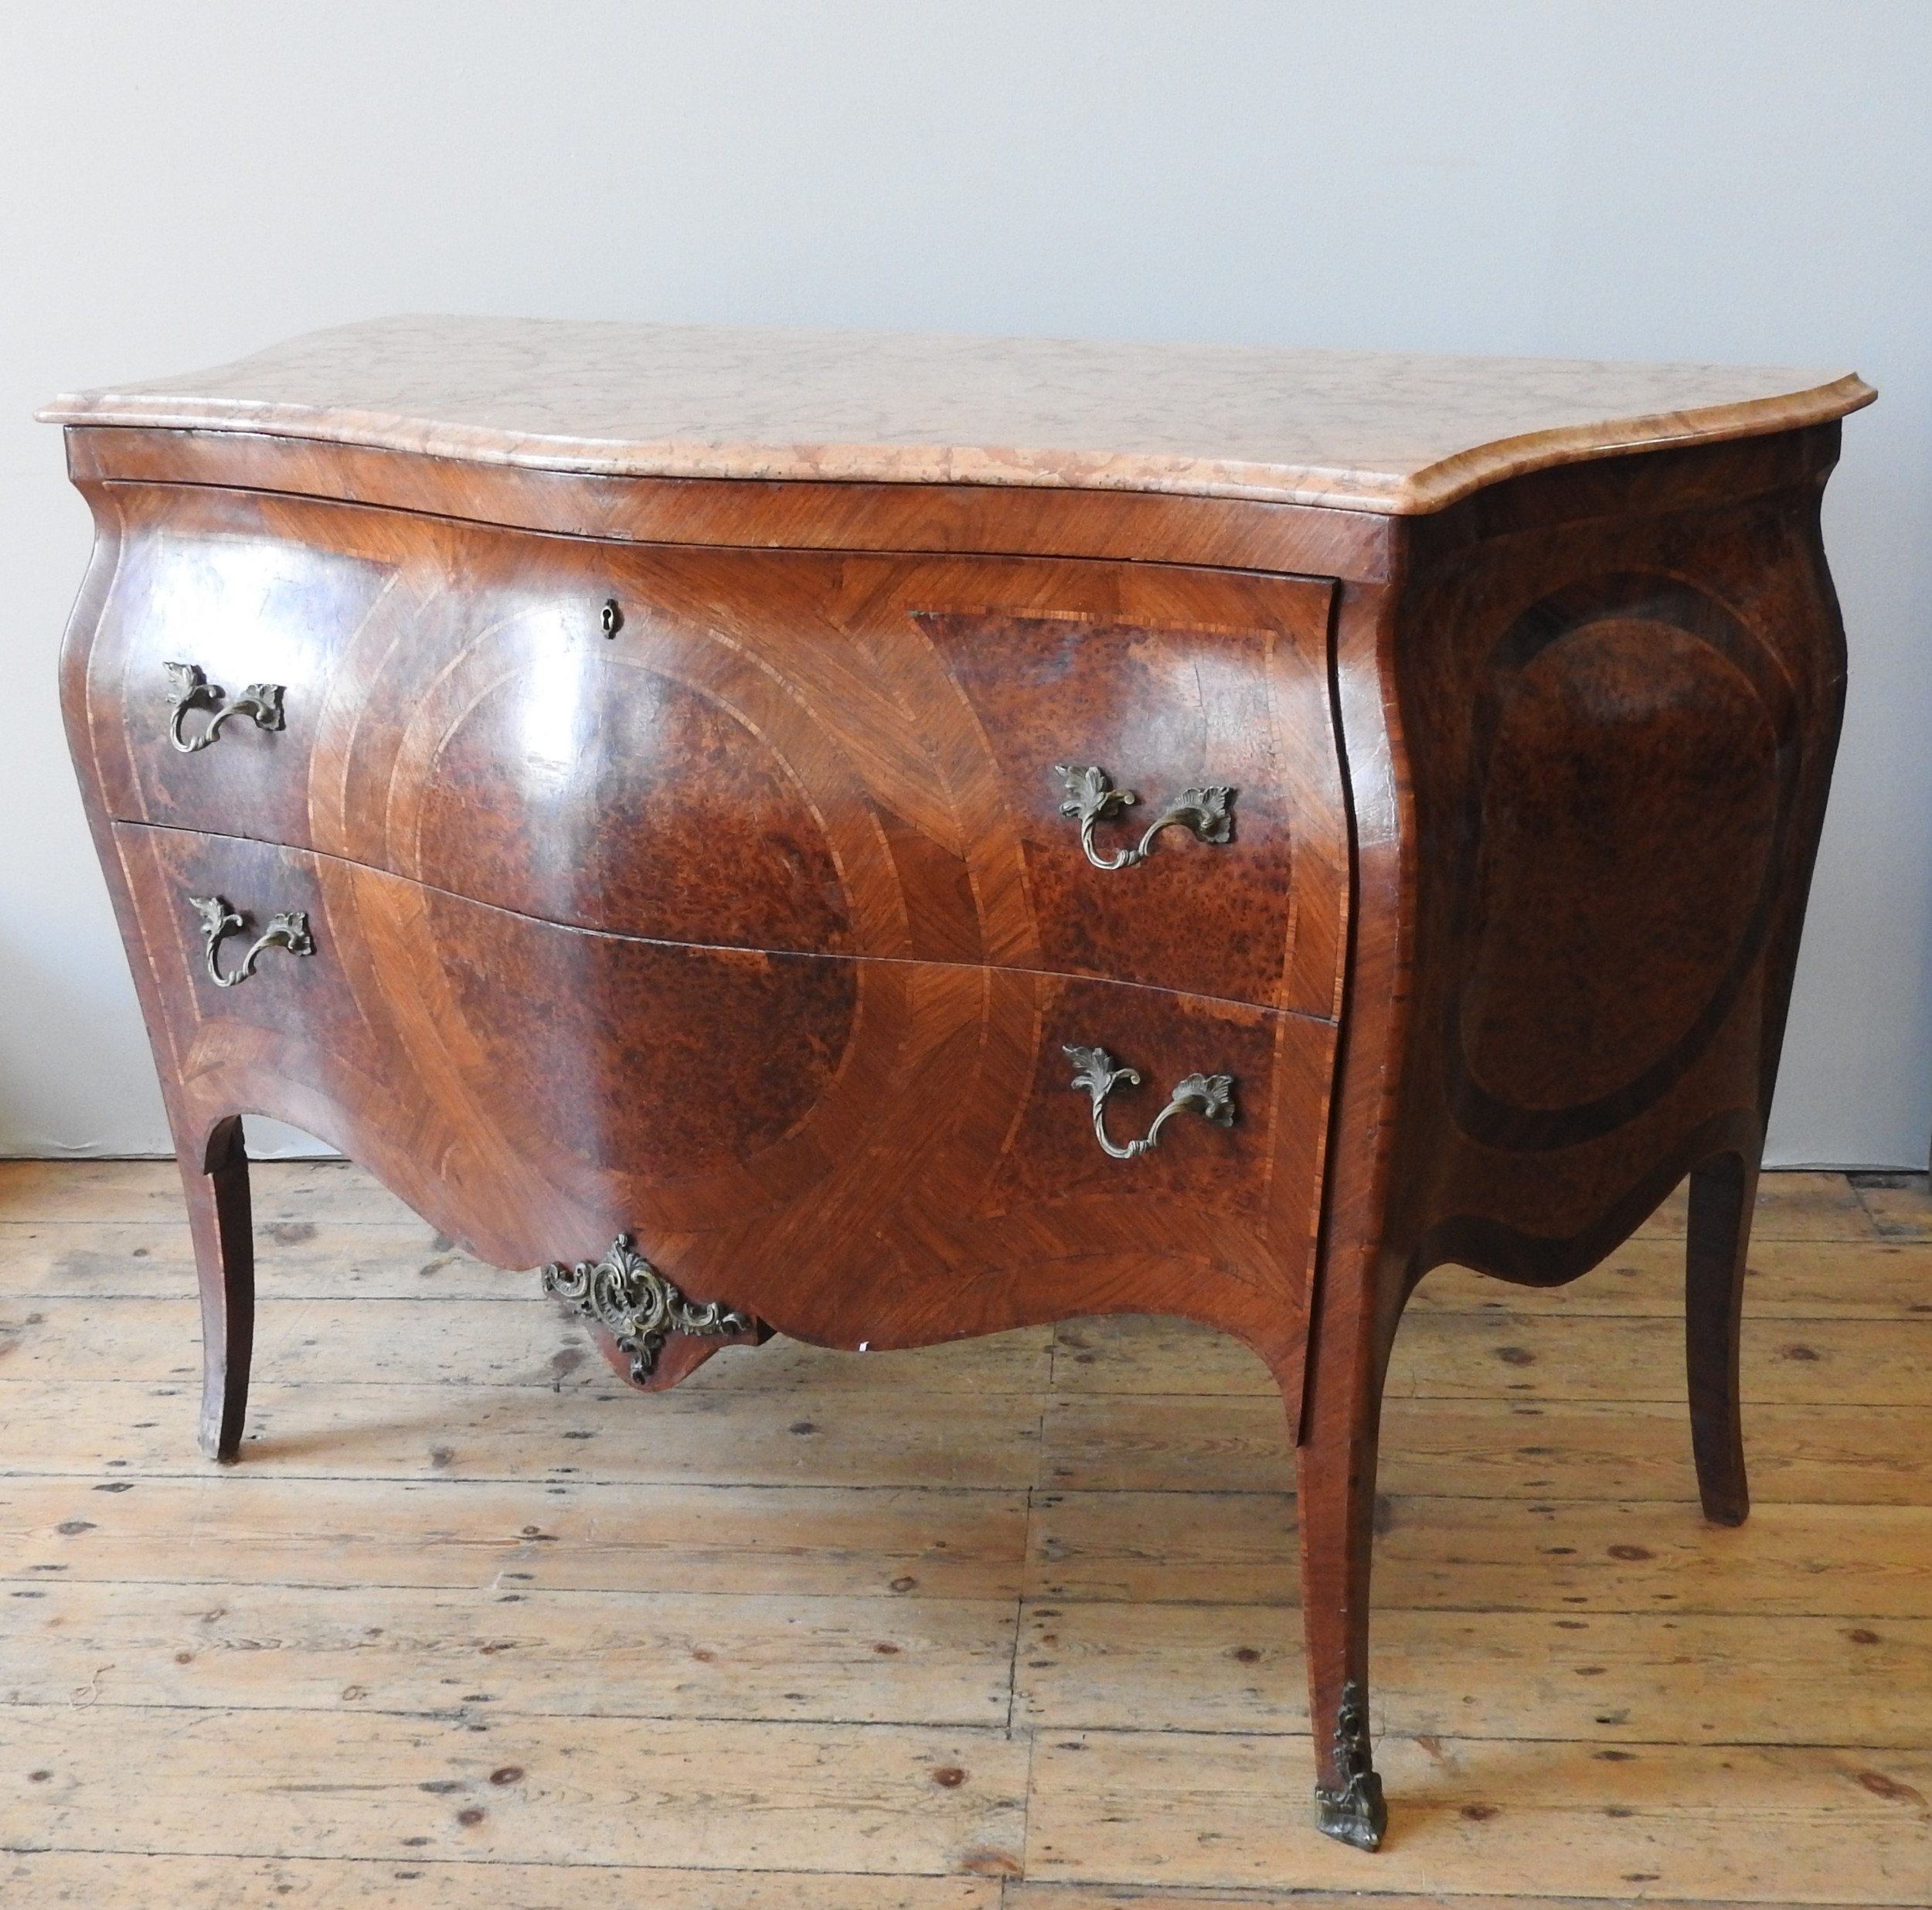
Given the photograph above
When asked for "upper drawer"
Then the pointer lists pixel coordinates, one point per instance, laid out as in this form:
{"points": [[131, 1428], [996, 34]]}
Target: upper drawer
{"points": [[834, 754], [236, 590]]}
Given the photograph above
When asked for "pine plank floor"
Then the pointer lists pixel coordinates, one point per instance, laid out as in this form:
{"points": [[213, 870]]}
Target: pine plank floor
{"points": [[1010, 1625]]}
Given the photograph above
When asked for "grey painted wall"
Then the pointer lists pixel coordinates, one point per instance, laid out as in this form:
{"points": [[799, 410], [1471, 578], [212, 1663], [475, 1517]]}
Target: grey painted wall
{"points": [[1737, 179]]}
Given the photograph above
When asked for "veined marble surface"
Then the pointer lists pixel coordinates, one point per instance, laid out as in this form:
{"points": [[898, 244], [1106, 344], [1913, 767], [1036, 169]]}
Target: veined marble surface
{"points": [[1390, 432]]}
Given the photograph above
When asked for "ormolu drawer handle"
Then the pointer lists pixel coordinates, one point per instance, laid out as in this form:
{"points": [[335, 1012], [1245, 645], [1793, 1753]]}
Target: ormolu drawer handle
{"points": [[189, 689], [1091, 796], [219, 920], [1209, 1095]]}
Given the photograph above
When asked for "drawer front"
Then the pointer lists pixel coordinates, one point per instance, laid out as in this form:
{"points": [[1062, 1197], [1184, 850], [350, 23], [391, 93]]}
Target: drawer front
{"points": [[865, 756], [215, 595], [892, 1153]]}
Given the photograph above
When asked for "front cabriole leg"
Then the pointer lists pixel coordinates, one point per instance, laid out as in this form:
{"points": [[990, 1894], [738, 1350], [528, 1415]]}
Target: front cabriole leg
{"points": [[1336, 1473], [1360, 1277]]}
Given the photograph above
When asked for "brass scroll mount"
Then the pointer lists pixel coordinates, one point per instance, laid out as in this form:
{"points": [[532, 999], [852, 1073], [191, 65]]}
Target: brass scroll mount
{"points": [[1355, 1813], [637, 1305], [220, 919], [1091, 798], [1211, 1096], [189, 689]]}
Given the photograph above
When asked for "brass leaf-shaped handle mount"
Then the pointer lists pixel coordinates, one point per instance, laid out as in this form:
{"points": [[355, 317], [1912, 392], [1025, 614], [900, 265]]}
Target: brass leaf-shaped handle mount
{"points": [[1091, 798], [1095, 1073], [220, 919], [188, 688]]}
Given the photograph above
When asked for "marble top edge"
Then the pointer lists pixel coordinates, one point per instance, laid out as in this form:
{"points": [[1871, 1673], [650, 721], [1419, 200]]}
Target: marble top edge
{"points": [[1388, 432]]}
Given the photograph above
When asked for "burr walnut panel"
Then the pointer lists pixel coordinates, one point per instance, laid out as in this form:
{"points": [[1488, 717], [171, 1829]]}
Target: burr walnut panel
{"points": [[851, 1150], [828, 753], [1637, 752]]}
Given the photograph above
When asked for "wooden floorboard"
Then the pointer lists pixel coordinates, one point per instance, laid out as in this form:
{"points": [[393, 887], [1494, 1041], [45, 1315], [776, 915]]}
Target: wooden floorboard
{"points": [[1508, 1816], [699, 1794], [419, 1882], [1489, 1448], [253, 1526], [342, 1427], [1042, 1896], [1010, 1625]]}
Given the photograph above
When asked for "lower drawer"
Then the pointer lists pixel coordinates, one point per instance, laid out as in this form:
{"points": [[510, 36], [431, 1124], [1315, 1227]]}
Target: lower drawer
{"points": [[876, 1151]]}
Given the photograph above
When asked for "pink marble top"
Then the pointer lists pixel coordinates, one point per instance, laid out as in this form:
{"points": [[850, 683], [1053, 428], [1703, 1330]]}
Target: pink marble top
{"points": [[1392, 432]]}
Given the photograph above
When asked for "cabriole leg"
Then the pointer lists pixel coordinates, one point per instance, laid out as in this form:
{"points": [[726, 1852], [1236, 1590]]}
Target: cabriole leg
{"points": [[1721, 1193], [1336, 1477], [216, 1187]]}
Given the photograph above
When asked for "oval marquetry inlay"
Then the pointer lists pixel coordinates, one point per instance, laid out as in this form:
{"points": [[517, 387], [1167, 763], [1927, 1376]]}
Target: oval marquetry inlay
{"points": [[1633, 787]]}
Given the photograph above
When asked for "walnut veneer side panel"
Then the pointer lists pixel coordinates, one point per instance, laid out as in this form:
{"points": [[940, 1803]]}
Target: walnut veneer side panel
{"points": [[1619, 692]]}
